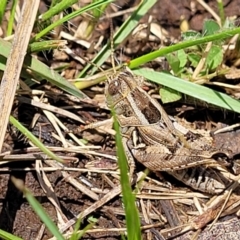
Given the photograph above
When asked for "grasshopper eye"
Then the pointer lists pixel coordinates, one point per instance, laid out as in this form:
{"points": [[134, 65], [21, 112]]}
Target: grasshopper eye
{"points": [[113, 87]]}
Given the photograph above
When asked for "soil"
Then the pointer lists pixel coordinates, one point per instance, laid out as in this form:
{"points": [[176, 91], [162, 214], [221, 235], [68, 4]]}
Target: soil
{"points": [[17, 216]]}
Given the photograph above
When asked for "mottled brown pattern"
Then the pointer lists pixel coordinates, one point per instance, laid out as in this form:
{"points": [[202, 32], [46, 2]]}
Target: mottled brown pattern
{"points": [[159, 147]]}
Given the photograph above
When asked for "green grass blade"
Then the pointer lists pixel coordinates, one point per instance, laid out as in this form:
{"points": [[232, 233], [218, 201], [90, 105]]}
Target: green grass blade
{"points": [[40, 71], [33, 139], [76, 235], [221, 11], [3, 4], [46, 45], [132, 216], [120, 35], [98, 12], [54, 2], [11, 18], [59, 7], [69, 17], [166, 50], [197, 91], [37, 207], [8, 236]]}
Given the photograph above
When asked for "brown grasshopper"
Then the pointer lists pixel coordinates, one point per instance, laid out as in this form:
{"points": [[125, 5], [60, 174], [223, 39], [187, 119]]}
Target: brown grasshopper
{"points": [[150, 137]]}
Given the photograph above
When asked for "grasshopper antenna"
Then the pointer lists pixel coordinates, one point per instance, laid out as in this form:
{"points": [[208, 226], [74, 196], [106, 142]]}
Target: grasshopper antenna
{"points": [[112, 45]]}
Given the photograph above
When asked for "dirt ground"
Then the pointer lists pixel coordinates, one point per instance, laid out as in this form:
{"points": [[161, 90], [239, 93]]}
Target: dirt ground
{"points": [[17, 217]]}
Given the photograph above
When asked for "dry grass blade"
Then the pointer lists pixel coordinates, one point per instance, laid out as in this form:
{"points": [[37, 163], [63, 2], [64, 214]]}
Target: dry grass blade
{"points": [[50, 108], [74, 182], [49, 190], [210, 10], [15, 61], [110, 195]]}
